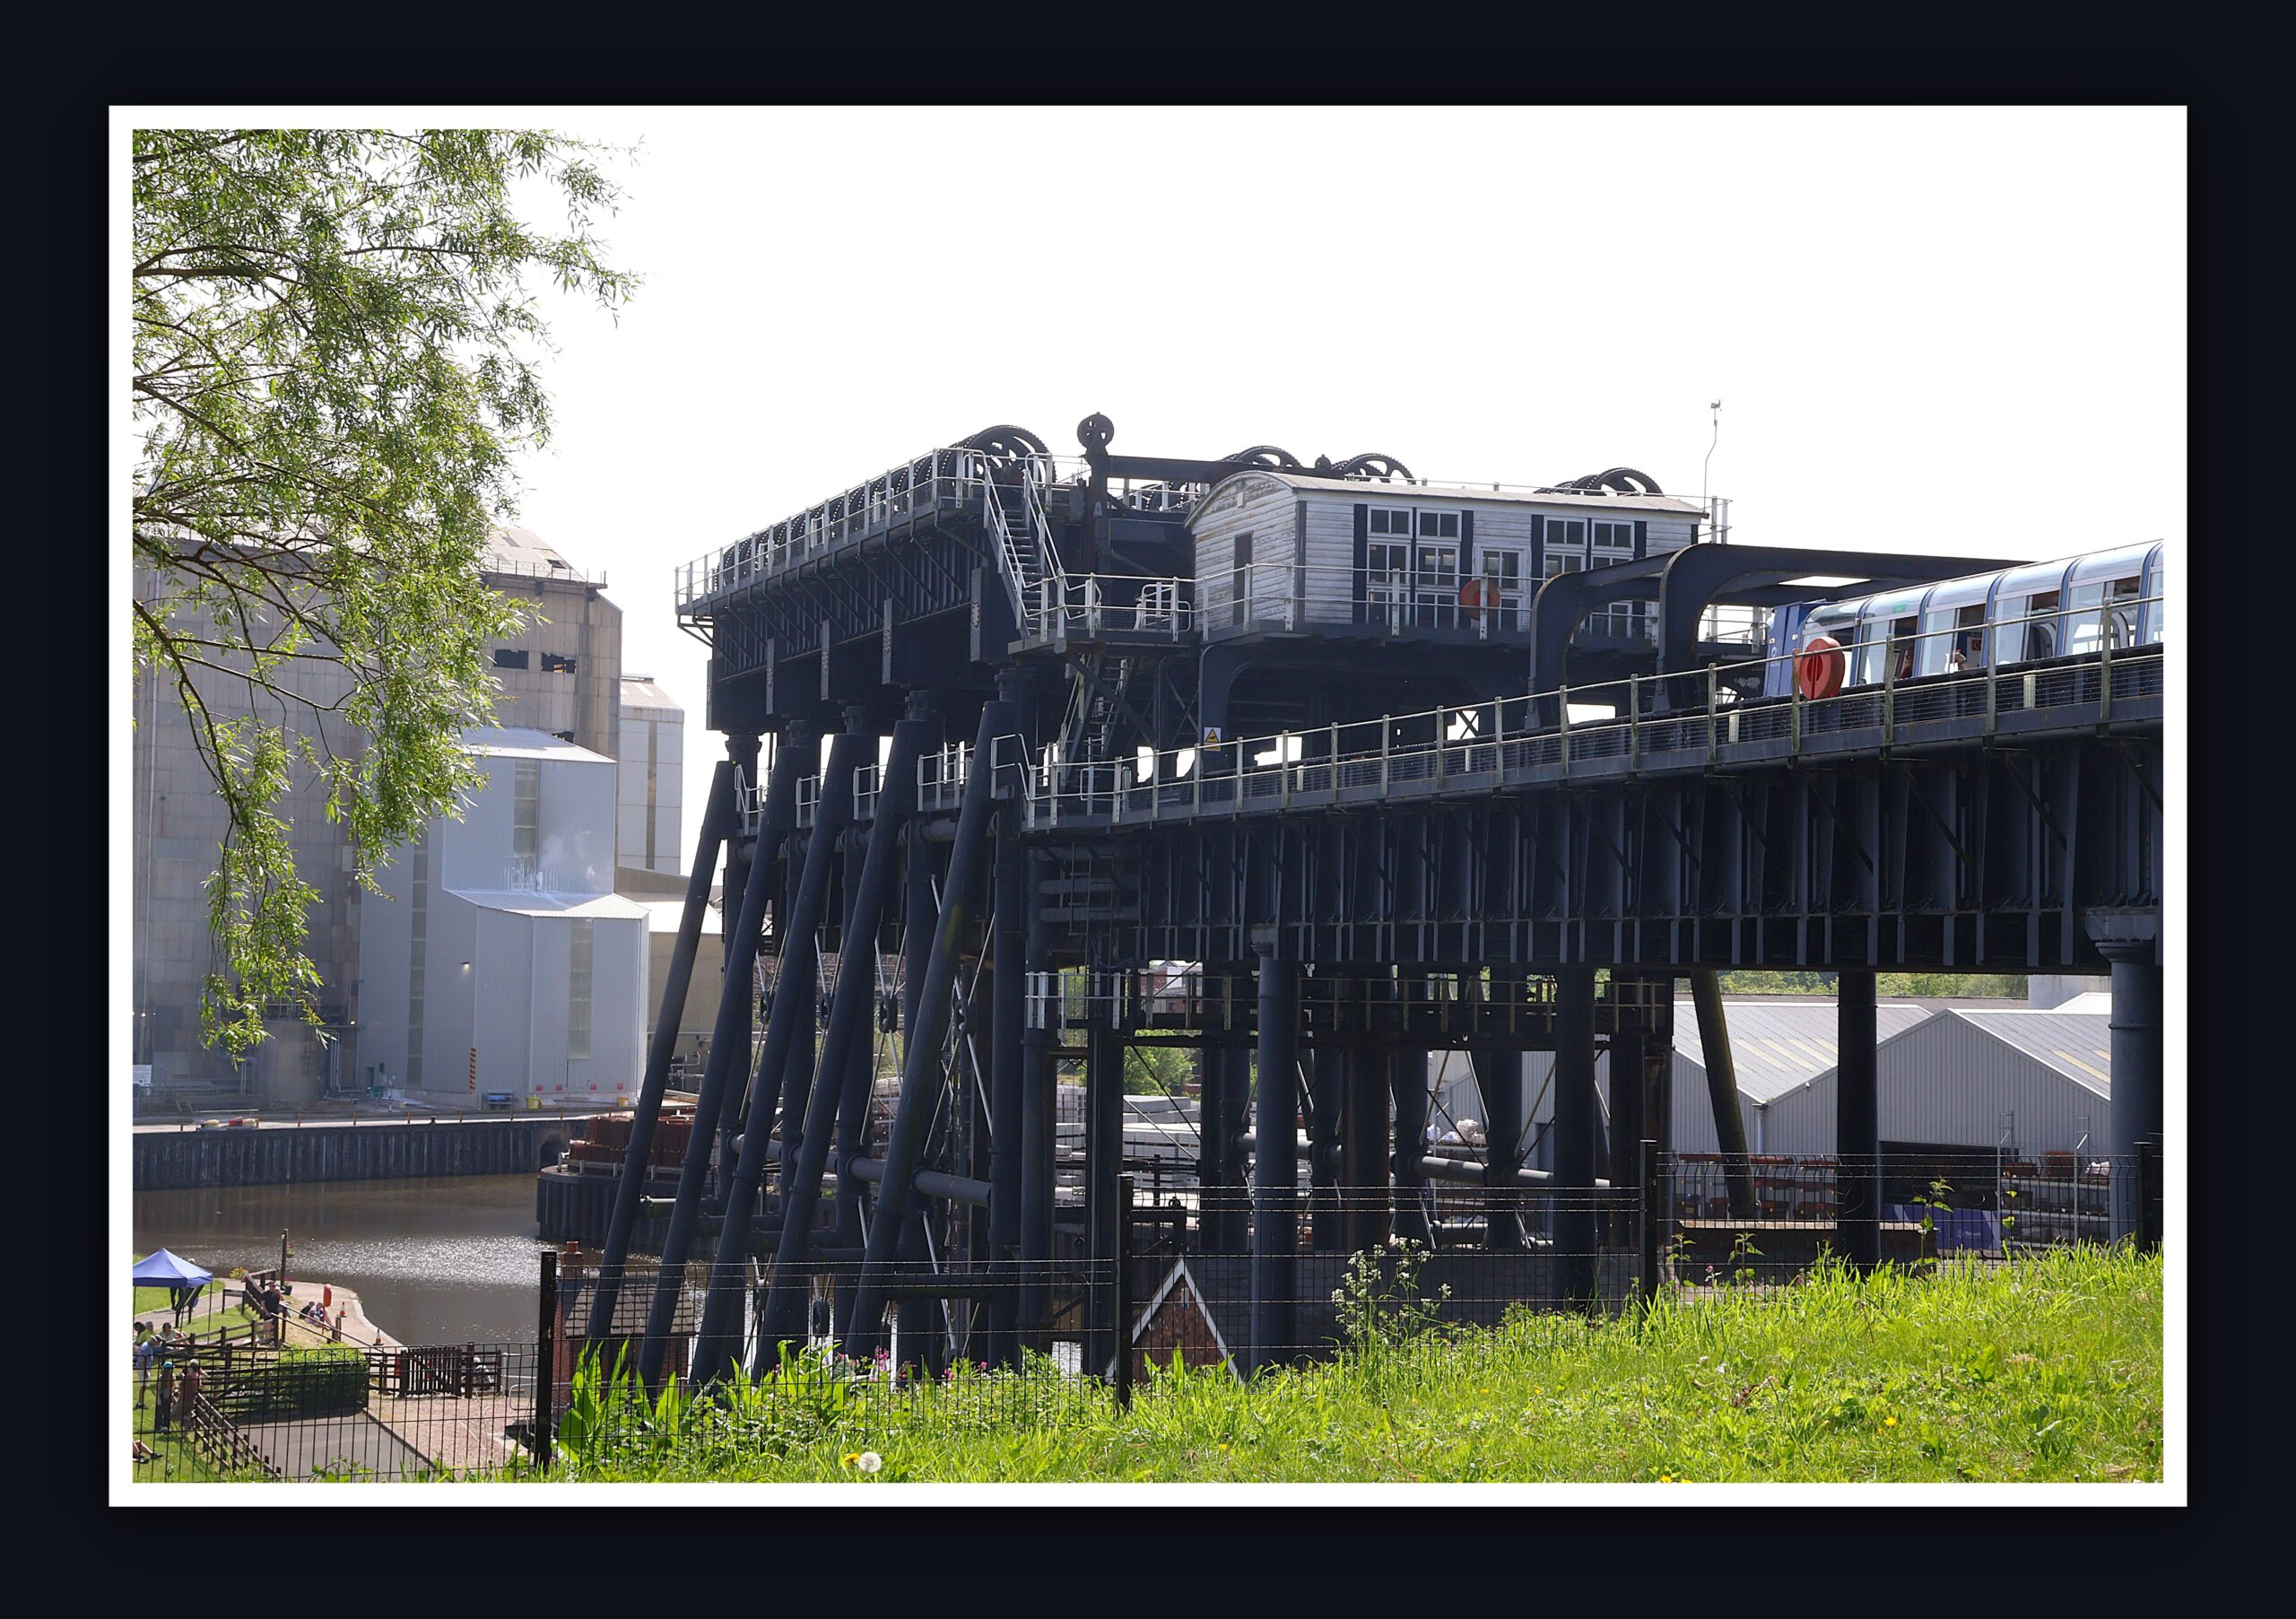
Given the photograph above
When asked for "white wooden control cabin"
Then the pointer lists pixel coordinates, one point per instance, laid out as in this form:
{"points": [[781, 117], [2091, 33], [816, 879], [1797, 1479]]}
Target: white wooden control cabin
{"points": [[1280, 551]]}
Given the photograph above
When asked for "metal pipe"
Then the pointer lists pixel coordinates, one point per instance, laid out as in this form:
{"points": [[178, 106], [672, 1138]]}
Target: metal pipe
{"points": [[782, 1055], [852, 1008], [1276, 1174], [717, 818], [921, 1061], [733, 1019], [1722, 1090], [932, 1183]]}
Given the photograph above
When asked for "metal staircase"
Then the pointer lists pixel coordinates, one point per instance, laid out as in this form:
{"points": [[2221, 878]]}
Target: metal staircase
{"points": [[1015, 515]]}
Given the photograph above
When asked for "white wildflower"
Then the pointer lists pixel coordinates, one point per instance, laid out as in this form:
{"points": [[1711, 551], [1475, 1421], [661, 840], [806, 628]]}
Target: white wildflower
{"points": [[870, 1461]]}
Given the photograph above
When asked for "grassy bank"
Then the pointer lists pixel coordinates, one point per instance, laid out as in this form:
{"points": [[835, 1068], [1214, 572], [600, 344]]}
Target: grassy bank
{"points": [[2046, 1370]]}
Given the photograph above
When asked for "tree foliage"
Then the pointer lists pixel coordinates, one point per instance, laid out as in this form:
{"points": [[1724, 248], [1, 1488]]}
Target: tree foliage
{"points": [[336, 352]]}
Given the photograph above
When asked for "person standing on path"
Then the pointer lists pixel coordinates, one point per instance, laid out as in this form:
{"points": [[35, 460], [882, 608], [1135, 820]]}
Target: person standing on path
{"points": [[147, 1350], [167, 1395]]}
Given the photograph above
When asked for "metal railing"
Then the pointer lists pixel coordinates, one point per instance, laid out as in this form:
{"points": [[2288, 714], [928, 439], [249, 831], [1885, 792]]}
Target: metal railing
{"points": [[1187, 995], [1670, 721], [567, 575], [947, 479]]}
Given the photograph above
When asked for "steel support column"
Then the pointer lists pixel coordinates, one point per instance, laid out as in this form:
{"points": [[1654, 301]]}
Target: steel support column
{"points": [[1407, 1079], [1722, 1092], [1040, 1136], [1275, 1166], [1366, 1146], [1103, 1165], [2139, 1108], [1499, 1074], [920, 1076], [730, 1043], [1327, 1093], [1009, 992], [787, 1062], [1627, 1097], [718, 821], [839, 1092], [1574, 1132], [1857, 1123]]}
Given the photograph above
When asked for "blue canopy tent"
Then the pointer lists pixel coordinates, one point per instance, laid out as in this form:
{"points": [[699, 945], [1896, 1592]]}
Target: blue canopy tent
{"points": [[164, 1269], [181, 1278]]}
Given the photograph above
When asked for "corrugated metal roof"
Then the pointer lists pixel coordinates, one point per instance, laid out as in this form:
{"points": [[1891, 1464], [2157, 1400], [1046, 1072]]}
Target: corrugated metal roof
{"points": [[2076, 1044], [1779, 1044], [521, 550], [1374, 492], [516, 741], [640, 692]]}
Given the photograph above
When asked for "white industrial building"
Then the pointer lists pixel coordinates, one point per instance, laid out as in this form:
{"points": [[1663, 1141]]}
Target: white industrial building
{"points": [[1983, 1076], [502, 960], [560, 675], [650, 801]]}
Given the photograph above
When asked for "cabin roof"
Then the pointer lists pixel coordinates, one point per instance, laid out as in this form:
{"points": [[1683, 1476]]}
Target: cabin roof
{"points": [[1360, 489]]}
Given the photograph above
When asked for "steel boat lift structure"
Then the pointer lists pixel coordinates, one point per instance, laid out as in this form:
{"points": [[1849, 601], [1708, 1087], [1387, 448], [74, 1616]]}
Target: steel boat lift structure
{"points": [[1005, 693]]}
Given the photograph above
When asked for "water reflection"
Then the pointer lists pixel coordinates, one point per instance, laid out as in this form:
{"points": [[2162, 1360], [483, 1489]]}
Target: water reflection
{"points": [[434, 1261]]}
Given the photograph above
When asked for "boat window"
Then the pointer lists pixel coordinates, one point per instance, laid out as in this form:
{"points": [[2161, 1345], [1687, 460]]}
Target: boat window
{"points": [[1901, 632], [1968, 649], [2156, 611], [2120, 609]]}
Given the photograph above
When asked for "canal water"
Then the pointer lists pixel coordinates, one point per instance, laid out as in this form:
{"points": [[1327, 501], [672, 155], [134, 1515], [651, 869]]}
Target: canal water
{"points": [[451, 1260]]}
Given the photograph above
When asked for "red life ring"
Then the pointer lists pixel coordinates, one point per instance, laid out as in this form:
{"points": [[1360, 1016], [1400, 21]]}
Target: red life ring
{"points": [[1818, 671], [1471, 598]]}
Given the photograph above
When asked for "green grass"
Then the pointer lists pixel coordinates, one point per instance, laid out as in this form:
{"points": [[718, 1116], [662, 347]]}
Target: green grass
{"points": [[2050, 1370]]}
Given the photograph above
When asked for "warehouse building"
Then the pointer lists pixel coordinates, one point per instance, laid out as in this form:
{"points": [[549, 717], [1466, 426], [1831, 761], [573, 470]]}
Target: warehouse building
{"points": [[1985, 1076]]}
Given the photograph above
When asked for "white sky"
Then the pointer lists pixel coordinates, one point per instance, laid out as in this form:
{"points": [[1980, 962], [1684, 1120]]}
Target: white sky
{"points": [[1931, 329]]}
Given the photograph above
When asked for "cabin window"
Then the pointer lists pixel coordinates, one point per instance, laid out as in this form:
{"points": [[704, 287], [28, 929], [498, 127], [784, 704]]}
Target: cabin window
{"points": [[1390, 520], [1439, 525], [1437, 581], [1614, 537], [1502, 587], [1386, 568]]}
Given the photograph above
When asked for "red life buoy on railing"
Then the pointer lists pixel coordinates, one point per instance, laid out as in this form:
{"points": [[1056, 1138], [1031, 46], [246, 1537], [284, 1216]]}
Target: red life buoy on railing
{"points": [[1818, 671], [1471, 594]]}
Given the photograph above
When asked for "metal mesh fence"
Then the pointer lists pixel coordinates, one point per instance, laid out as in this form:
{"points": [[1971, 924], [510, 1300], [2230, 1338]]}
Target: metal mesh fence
{"points": [[1215, 1280]]}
